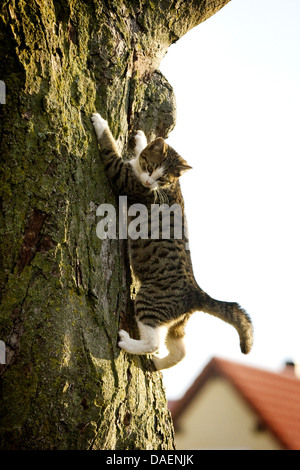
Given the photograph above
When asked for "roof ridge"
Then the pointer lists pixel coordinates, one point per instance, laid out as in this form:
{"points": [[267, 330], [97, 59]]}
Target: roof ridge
{"points": [[220, 362]]}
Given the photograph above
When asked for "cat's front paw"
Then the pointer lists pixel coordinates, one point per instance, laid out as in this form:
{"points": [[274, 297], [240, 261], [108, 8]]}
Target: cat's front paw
{"points": [[140, 142], [99, 124]]}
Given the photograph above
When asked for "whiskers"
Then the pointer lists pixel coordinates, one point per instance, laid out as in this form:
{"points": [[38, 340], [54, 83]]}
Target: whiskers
{"points": [[161, 196]]}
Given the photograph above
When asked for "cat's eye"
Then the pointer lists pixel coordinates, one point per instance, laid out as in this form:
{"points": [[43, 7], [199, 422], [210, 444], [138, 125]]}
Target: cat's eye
{"points": [[149, 168], [162, 180]]}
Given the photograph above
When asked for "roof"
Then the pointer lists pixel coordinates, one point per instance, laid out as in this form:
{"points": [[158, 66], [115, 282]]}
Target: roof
{"points": [[275, 397]]}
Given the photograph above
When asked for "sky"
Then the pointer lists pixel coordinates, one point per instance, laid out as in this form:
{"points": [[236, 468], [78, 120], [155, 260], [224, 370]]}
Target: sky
{"points": [[236, 78]]}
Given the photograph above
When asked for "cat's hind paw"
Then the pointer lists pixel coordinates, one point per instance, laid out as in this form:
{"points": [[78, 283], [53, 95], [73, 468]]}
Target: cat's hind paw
{"points": [[124, 339], [99, 124], [140, 142]]}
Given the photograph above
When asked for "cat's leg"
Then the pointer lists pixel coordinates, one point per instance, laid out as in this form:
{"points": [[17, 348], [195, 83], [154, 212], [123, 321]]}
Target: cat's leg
{"points": [[148, 343], [107, 142], [140, 143], [116, 170], [176, 347]]}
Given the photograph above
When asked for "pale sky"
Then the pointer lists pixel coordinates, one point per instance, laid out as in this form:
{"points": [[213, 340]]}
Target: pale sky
{"points": [[237, 83]]}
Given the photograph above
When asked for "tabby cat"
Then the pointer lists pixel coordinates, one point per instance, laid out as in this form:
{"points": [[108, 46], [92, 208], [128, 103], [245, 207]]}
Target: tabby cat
{"points": [[168, 292]]}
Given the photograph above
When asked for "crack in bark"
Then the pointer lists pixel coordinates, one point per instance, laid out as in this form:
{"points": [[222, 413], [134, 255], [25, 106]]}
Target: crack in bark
{"points": [[31, 239]]}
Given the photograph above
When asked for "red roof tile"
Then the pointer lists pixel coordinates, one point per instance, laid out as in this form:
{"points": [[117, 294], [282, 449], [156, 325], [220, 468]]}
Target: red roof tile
{"points": [[274, 396]]}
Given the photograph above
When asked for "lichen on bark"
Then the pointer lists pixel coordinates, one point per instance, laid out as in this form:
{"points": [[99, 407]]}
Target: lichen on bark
{"points": [[66, 384]]}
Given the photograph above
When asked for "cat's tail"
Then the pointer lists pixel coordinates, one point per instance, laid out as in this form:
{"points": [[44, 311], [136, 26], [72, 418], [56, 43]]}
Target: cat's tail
{"points": [[231, 313]]}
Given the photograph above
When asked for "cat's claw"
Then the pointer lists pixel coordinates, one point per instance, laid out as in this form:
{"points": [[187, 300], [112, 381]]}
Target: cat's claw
{"points": [[99, 124]]}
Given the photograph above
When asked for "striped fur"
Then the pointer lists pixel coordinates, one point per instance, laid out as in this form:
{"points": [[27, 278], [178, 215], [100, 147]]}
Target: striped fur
{"points": [[168, 292]]}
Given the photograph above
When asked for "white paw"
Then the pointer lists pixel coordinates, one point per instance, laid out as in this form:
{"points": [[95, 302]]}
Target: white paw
{"points": [[124, 335], [99, 124], [124, 339], [140, 142]]}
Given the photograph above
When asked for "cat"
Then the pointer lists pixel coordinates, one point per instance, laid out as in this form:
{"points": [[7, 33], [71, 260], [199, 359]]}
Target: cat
{"points": [[168, 292]]}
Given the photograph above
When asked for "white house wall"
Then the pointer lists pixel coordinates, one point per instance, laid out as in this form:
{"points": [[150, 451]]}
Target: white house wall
{"points": [[219, 418]]}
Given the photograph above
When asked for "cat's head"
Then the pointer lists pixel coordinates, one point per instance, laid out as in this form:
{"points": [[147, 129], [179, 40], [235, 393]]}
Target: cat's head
{"points": [[160, 166]]}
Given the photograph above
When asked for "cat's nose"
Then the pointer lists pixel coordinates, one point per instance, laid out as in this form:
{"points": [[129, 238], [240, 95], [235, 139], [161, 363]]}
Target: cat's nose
{"points": [[148, 183]]}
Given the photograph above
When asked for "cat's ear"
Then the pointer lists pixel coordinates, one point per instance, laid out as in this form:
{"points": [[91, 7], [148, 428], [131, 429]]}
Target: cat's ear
{"points": [[159, 145], [183, 166]]}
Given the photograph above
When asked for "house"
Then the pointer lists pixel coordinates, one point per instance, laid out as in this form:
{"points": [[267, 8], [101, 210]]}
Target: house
{"points": [[234, 406]]}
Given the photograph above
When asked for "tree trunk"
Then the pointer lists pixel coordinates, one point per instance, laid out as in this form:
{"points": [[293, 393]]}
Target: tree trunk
{"points": [[66, 384]]}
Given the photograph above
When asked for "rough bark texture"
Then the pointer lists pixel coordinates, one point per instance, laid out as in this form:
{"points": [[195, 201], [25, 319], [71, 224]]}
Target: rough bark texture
{"points": [[66, 385]]}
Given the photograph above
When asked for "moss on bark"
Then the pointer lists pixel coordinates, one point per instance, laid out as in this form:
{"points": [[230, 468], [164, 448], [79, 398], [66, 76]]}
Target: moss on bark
{"points": [[66, 385]]}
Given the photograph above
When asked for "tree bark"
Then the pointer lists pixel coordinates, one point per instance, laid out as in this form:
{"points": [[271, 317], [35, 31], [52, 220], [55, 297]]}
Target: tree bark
{"points": [[66, 384]]}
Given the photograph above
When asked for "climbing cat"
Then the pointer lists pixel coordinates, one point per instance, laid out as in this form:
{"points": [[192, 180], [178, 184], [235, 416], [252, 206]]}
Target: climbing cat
{"points": [[168, 292]]}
